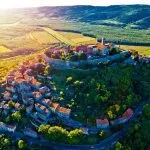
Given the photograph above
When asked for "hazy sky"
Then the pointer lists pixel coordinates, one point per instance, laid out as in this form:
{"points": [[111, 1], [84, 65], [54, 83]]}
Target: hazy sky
{"points": [[34, 3]]}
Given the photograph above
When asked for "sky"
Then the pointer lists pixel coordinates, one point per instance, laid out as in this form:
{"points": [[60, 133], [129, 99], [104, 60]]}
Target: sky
{"points": [[35, 3]]}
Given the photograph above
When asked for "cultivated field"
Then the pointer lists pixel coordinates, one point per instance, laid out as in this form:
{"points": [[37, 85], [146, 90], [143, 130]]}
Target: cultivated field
{"points": [[69, 38], [71, 35], [42, 37], [143, 50], [4, 49], [59, 37], [79, 39]]}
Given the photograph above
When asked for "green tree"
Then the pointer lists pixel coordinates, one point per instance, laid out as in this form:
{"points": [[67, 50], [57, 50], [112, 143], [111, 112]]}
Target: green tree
{"points": [[118, 146], [102, 134], [69, 80], [11, 104], [16, 116], [114, 51], [57, 134], [76, 136], [82, 56], [5, 142], [43, 129], [110, 114], [47, 69], [74, 57], [78, 84], [131, 100], [146, 111], [22, 144]]}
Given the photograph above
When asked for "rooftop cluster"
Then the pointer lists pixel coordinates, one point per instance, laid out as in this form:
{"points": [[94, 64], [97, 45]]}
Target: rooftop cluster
{"points": [[23, 89], [81, 52]]}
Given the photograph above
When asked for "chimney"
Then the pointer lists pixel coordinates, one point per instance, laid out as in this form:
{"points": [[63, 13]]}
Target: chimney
{"points": [[103, 41]]}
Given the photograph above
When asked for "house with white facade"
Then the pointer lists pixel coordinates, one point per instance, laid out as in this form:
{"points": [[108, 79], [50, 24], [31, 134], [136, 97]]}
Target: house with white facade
{"points": [[8, 128]]}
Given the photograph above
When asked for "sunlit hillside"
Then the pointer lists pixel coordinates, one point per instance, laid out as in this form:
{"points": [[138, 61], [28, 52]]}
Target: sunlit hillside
{"points": [[143, 50], [4, 49]]}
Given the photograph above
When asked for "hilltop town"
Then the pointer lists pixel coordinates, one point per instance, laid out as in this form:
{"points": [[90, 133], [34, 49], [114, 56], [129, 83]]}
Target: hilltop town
{"points": [[31, 100]]}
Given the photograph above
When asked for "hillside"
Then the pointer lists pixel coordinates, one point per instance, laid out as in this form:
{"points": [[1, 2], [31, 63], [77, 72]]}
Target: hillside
{"points": [[122, 24], [134, 16], [138, 15]]}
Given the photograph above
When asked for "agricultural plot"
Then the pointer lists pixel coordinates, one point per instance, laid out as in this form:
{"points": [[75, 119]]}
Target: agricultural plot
{"points": [[59, 36], [84, 40], [4, 49], [143, 50], [71, 39], [42, 37], [79, 39], [71, 35]]}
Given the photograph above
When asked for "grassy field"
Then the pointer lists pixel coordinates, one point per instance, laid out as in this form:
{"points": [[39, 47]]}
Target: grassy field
{"points": [[143, 50]]}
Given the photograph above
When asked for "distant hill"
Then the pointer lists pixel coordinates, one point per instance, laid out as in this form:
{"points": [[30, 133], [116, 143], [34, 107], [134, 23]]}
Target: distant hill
{"points": [[115, 23], [135, 16]]}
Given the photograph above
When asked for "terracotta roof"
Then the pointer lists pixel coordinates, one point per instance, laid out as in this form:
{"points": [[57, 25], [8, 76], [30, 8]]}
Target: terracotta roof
{"points": [[54, 105], [20, 80], [37, 94], [64, 110], [17, 105], [128, 113], [43, 108], [100, 46], [35, 82], [102, 121]]}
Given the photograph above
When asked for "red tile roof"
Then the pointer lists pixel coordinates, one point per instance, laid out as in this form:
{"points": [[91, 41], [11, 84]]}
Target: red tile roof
{"points": [[63, 110], [128, 113], [102, 121], [100, 46], [54, 105]]}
